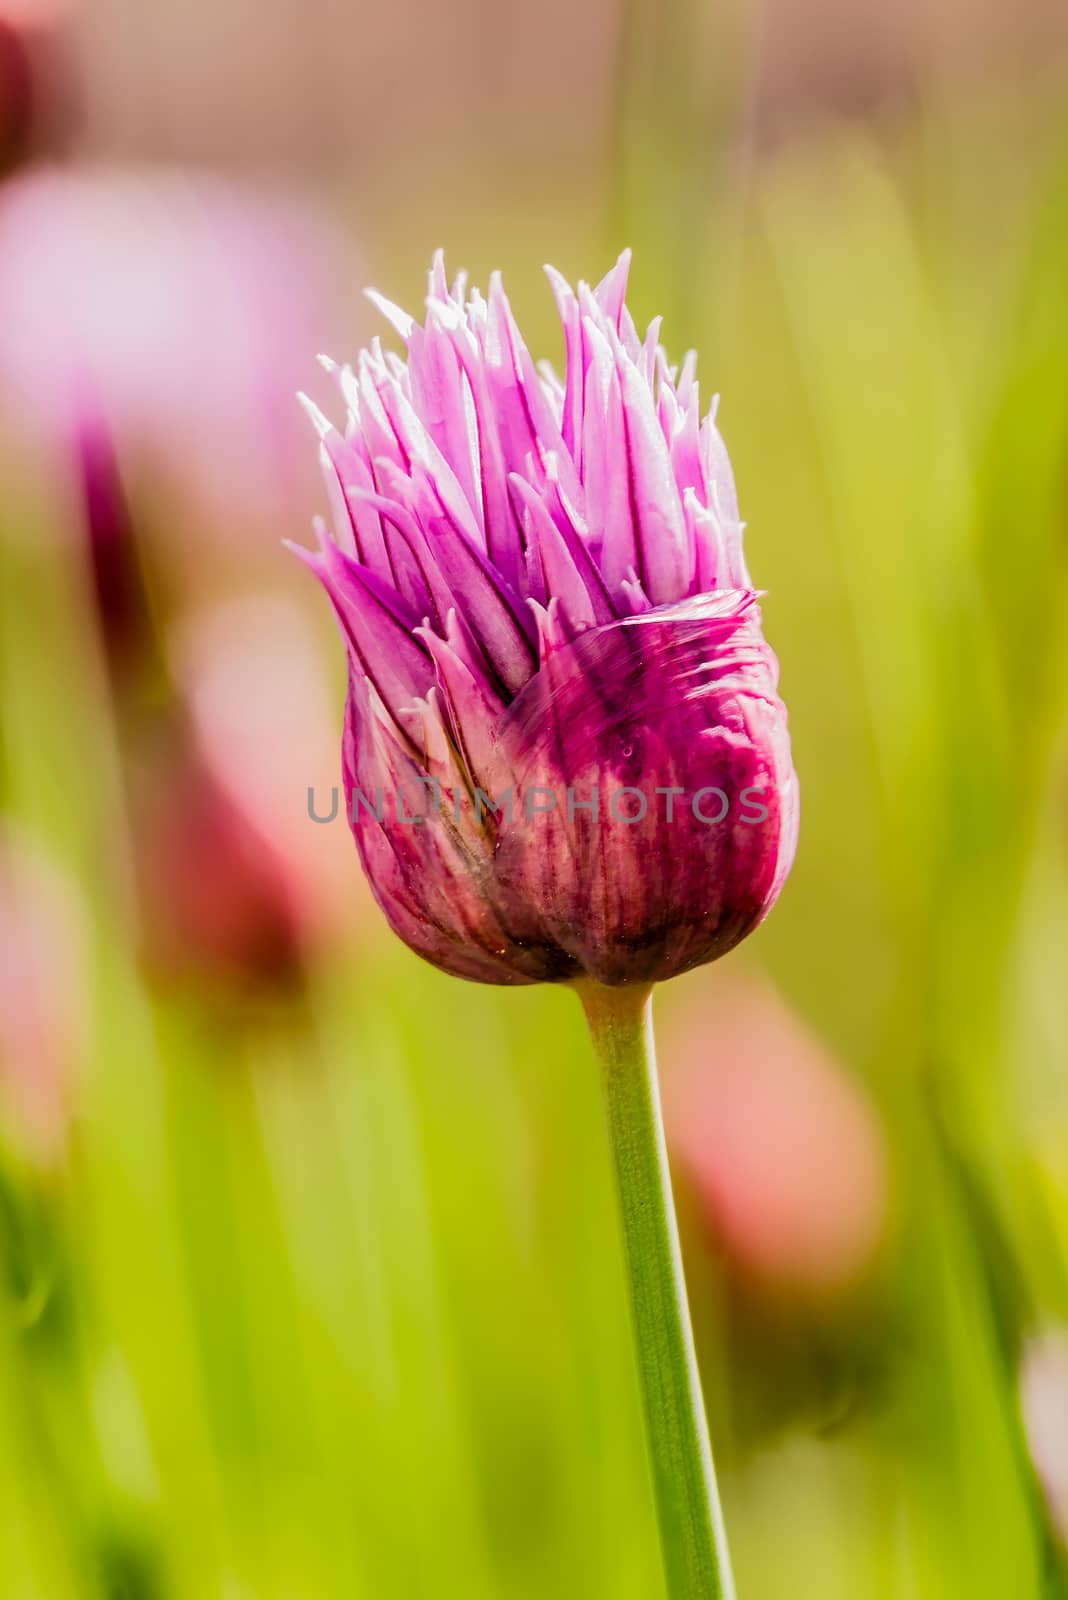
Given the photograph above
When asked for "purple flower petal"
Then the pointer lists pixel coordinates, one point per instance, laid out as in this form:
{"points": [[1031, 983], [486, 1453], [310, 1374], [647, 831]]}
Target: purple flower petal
{"points": [[680, 700]]}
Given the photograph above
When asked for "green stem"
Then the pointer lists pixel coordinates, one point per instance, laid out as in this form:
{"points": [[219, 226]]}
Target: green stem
{"points": [[692, 1538]]}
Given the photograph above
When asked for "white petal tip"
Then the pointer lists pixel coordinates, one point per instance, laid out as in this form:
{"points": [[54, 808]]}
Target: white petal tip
{"points": [[320, 423], [303, 554], [395, 315]]}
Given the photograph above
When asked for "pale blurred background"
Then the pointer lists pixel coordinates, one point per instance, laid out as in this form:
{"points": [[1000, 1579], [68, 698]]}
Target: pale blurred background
{"points": [[309, 1274]]}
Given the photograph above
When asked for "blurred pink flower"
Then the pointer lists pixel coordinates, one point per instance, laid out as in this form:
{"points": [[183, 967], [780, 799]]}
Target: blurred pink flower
{"points": [[182, 308], [1044, 1402], [222, 733], [216, 904], [43, 995], [237, 886], [783, 1148], [254, 680]]}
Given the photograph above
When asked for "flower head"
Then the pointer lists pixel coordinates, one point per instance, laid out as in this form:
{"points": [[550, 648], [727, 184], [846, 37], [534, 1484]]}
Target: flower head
{"points": [[179, 273], [564, 753]]}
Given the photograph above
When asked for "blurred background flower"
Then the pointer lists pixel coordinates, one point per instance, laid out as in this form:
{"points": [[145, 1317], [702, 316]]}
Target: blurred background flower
{"points": [[264, 716], [783, 1148], [186, 326], [158, 378]]}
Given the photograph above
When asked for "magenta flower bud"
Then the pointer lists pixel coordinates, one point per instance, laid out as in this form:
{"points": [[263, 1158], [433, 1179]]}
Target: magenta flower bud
{"points": [[564, 751]]}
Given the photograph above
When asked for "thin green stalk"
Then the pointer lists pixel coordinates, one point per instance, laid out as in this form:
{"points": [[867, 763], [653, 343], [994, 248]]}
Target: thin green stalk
{"points": [[692, 1537]]}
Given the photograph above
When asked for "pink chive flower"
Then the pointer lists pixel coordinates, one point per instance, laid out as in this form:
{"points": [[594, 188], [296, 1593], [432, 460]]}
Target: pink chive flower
{"points": [[217, 905], [120, 288], [556, 664], [254, 685]]}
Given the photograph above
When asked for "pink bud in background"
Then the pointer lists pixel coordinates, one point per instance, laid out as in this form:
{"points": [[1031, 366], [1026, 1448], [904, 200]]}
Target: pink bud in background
{"points": [[43, 995], [236, 883], [159, 377], [185, 305], [216, 904], [254, 680], [782, 1146], [1044, 1402]]}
